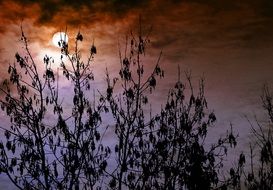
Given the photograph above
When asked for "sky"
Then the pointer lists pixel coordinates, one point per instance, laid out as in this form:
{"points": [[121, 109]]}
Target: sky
{"points": [[230, 43]]}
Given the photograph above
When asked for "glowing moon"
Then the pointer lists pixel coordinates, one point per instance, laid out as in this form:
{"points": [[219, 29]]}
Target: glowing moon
{"points": [[59, 37]]}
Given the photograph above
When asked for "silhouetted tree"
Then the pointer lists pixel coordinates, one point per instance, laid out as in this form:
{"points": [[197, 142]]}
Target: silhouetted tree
{"points": [[127, 107], [260, 175], [184, 158], [37, 154], [167, 150]]}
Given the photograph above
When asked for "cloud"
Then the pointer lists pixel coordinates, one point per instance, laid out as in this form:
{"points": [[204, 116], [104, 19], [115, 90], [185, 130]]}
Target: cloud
{"points": [[180, 25], [186, 25], [71, 12]]}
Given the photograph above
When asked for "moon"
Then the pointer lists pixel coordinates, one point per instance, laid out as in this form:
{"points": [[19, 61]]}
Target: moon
{"points": [[59, 37]]}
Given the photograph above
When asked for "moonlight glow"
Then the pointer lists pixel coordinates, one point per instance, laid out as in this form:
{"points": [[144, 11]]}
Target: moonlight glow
{"points": [[59, 37]]}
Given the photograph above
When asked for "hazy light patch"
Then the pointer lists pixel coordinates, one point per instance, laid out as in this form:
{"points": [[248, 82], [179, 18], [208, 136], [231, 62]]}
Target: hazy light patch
{"points": [[59, 38]]}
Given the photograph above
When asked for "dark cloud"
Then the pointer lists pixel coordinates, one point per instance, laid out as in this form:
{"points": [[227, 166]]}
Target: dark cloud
{"points": [[267, 8], [88, 12], [50, 8]]}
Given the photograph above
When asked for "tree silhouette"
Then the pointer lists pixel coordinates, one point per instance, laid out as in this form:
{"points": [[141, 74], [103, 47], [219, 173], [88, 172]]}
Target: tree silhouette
{"points": [[260, 175], [127, 107], [37, 155], [165, 150], [183, 160]]}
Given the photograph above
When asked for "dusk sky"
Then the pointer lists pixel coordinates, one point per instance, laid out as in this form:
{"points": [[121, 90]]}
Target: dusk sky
{"points": [[230, 43]]}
